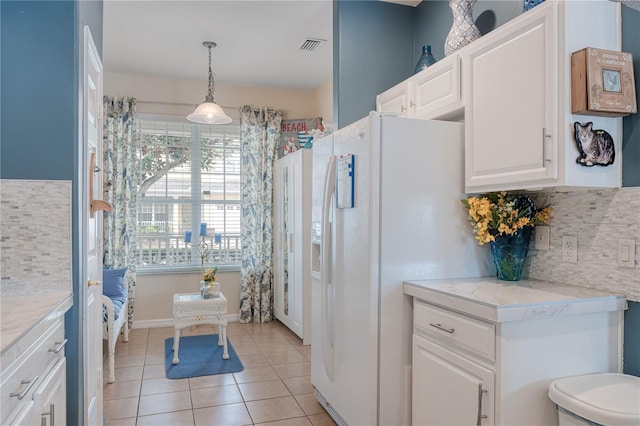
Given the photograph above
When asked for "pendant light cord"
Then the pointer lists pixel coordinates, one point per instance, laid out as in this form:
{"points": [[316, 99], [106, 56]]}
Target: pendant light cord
{"points": [[211, 82]]}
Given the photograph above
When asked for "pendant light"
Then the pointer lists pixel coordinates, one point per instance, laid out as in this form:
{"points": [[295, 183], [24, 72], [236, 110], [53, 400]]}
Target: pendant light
{"points": [[209, 112]]}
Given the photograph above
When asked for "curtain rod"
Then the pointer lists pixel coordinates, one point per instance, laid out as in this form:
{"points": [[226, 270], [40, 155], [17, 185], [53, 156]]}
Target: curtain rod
{"points": [[281, 111], [178, 103]]}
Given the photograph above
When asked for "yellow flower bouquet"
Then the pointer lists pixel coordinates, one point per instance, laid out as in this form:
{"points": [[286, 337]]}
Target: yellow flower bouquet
{"points": [[505, 220], [210, 275], [209, 287]]}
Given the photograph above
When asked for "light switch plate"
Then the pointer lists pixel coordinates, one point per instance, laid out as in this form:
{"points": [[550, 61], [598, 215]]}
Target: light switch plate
{"points": [[542, 237], [627, 253], [570, 249]]}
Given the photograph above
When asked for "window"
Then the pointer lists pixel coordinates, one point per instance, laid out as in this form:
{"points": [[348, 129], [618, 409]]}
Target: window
{"points": [[189, 175]]}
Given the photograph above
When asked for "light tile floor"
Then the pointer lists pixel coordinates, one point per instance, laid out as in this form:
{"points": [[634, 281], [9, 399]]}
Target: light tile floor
{"points": [[273, 389]]}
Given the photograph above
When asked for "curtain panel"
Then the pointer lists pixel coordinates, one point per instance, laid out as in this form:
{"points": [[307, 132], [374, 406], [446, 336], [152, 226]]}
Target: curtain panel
{"points": [[259, 135], [121, 182]]}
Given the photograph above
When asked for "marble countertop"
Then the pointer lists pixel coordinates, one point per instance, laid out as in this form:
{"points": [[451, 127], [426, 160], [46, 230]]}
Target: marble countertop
{"points": [[19, 315], [500, 301]]}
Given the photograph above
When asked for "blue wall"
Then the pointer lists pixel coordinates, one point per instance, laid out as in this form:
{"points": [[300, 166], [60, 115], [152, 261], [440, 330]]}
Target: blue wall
{"points": [[41, 47], [372, 51], [631, 123]]}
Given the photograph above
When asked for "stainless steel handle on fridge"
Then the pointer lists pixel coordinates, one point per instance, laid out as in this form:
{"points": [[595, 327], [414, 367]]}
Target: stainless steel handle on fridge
{"points": [[329, 189]]}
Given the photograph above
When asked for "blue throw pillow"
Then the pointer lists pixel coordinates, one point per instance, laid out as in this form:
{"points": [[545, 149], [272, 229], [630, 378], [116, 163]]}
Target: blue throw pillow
{"points": [[113, 282]]}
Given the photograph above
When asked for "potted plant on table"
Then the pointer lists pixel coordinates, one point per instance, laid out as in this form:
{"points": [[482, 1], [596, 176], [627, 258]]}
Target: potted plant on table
{"points": [[209, 287], [505, 220]]}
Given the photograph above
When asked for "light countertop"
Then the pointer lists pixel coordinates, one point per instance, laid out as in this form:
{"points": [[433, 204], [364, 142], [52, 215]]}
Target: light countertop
{"points": [[19, 315], [501, 301]]}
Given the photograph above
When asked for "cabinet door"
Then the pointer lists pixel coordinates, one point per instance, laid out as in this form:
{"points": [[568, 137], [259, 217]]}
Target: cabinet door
{"points": [[435, 92], [287, 279], [50, 398], [394, 100], [280, 253], [449, 389], [511, 109]]}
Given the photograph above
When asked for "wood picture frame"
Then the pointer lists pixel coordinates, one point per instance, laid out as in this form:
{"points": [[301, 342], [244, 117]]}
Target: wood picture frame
{"points": [[602, 83]]}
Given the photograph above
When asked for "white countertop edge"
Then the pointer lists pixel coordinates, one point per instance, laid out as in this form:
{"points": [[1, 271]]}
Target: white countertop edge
{"points": [[14, 349], [498, 314]]}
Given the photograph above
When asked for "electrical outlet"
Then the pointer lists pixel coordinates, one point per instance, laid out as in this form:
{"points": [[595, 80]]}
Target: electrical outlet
{"points": [[627, 253], [570, 249], [542, 237]]}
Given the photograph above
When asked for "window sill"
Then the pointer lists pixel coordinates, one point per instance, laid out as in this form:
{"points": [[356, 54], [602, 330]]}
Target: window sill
{"points": [[165, 270]]}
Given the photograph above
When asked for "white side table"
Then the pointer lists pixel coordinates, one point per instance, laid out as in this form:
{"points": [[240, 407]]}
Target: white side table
{"points": [[191, 309]]}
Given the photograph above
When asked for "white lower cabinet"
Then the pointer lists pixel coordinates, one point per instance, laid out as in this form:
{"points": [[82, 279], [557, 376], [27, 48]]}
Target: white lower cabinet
{"points": [[470, 370], [50, 397], [33, 378], [464, 395]]}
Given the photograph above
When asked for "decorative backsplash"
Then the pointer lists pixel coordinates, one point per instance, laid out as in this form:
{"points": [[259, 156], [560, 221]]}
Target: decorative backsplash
{"points": [[599, 218], [35, 237]]}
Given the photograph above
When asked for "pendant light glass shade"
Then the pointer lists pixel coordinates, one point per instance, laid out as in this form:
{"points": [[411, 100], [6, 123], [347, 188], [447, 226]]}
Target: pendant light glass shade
{"points": [[209, 112]]}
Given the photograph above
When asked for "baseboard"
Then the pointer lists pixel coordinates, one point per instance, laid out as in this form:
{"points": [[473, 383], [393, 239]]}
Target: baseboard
{"points": [[168, 322]]}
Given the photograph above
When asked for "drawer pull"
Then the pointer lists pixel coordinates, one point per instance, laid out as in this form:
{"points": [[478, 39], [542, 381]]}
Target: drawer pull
{"points": [[480, 415], [441, 327], [29, 384], [59, 347], [51, 414]]}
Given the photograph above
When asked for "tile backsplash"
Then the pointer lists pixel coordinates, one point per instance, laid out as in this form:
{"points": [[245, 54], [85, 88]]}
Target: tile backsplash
{"points": [[599, 218], [35, 237]]}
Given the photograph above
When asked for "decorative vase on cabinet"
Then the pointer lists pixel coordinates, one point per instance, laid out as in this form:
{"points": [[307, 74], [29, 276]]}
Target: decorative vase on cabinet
{"points": [[528, 4], [425, 60], [464, 30]]}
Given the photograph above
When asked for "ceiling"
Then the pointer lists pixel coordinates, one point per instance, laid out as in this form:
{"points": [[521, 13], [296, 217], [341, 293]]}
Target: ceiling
{"points": [[258, 40]]}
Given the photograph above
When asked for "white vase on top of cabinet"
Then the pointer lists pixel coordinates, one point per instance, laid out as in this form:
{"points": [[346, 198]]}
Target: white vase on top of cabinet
{"points": [[519, 130], [292, 242], [433, 93]]}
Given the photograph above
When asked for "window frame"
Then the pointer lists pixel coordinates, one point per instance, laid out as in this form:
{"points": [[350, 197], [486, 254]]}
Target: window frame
{"points": [[196, 202]]}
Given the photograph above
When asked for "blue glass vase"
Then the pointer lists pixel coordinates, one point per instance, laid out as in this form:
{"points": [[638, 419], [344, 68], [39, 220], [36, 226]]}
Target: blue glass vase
{"points": [[510, 253], [528, 4], [425, 60]]}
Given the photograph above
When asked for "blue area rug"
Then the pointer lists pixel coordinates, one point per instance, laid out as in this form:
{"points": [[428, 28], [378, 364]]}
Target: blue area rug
{"points": [[199, 356]]}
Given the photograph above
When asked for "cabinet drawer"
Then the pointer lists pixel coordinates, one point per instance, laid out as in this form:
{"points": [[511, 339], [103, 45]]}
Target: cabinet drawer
{"points": [[451, 328], [29, 371]]}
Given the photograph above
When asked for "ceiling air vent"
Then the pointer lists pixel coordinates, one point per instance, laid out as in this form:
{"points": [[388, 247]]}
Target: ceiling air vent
{"points": [[311, 44]]}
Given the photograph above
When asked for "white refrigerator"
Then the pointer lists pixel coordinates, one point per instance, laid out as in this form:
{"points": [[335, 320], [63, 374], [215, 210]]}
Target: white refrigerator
{"points": [[386, 208]]}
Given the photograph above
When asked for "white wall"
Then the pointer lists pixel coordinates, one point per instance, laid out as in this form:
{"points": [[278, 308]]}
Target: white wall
{"points": [[155, 95], [171, 96], [154, 295]]}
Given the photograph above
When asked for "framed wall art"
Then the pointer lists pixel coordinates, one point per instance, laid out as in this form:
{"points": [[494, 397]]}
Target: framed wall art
{"points": [[602, 83]]}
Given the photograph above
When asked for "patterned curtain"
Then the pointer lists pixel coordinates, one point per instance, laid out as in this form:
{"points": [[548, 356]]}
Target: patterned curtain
{"points": [[121, 174], [259, 134]]}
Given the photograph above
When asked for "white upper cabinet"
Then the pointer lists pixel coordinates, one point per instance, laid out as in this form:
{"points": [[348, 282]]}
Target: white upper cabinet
{"points": [[433, 93], [512, 87], [518, 125]]}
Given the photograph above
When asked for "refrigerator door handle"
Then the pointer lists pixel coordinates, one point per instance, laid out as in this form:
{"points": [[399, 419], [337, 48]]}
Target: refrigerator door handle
{"points": [[329, 189]]}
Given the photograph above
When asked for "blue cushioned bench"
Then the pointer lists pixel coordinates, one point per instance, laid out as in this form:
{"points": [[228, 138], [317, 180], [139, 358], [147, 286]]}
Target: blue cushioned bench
{"points": [[115, 310]]}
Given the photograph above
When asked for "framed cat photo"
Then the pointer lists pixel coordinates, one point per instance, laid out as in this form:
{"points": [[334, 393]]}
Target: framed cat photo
{"points": [[602, 83]]}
